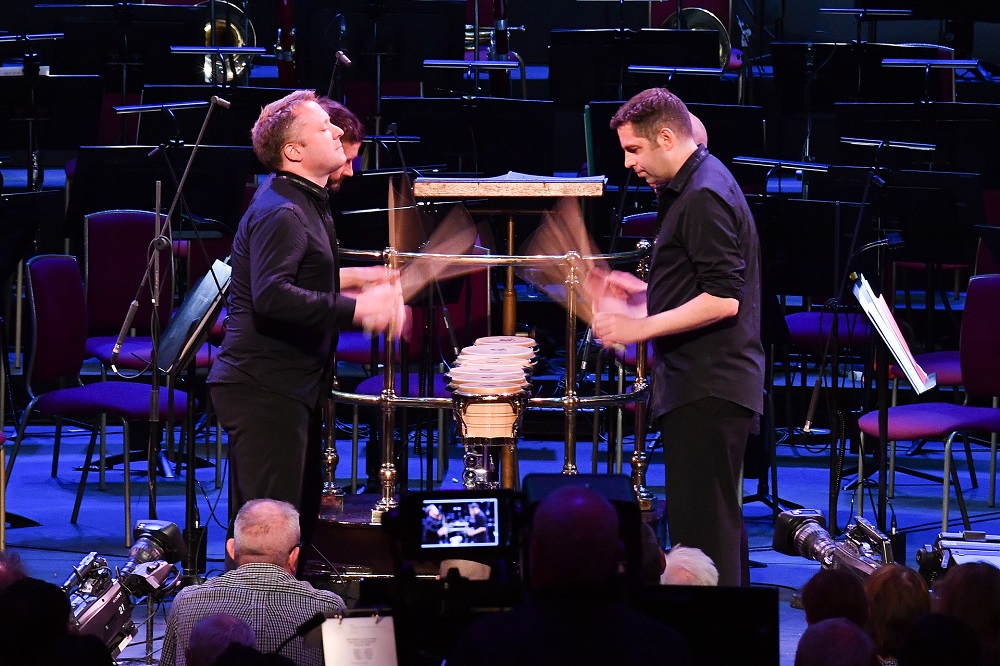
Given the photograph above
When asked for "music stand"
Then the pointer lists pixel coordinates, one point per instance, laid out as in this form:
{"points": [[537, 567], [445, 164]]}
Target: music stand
{"points": [[604, 55], [128, 43], [485, 135], [118, 177], [228, 127], [179, 344]]}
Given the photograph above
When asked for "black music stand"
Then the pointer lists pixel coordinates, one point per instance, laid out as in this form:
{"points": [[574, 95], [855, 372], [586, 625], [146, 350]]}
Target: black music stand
{"points": [[585, 65], [179, 344], [966, 136], [484, 135], [128, 43], [227, 127], [118, 177]]}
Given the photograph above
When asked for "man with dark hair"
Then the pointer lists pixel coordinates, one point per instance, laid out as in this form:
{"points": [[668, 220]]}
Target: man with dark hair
{"points": [[835, 642], [835, 593], [285, 306], [478, 529], [354, 134], [701, 309], [261, 590]]}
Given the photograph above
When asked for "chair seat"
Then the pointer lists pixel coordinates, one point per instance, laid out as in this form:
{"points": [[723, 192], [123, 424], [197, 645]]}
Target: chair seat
{"points": [[128, 400], [932, 419], [356, 347], [136, 351], [945, 364], [811, 329], [373, 385]]}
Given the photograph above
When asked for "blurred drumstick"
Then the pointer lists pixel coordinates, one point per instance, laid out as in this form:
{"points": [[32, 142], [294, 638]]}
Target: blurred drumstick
{"points": [[455, 235], [562, 231]]}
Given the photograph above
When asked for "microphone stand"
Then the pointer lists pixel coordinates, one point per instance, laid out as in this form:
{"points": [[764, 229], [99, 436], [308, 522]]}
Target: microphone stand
{"points": [[162, 241]]}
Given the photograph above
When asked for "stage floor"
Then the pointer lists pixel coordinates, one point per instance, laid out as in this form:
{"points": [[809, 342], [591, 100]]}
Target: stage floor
{"points": [[53, 548]]}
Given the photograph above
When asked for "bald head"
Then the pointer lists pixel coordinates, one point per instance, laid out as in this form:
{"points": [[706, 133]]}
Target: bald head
{"points": [[575, 538], [266, 530]]}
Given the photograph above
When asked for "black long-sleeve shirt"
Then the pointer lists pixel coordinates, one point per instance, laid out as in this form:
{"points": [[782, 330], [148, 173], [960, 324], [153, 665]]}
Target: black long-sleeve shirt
{"points": [[707, 243], [284, 305]]}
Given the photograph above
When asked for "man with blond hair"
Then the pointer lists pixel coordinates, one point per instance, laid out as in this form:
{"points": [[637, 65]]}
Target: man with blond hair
{"points": [[285, 306], [261, 590]]}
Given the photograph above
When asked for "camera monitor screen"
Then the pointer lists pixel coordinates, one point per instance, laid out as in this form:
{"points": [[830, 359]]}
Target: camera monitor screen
{"points": [[461, 523]]}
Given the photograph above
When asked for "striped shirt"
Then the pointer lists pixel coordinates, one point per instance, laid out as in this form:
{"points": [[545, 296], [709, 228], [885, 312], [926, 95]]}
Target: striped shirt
{"points": [[266, 596]]}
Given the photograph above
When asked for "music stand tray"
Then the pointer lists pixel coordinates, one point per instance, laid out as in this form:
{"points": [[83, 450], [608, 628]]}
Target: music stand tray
{"points": [[191, 324]]}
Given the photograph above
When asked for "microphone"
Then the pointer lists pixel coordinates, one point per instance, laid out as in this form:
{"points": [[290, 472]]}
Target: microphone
{"points": [[126, 325], [218, 101], [343, 59], [303, 629]]}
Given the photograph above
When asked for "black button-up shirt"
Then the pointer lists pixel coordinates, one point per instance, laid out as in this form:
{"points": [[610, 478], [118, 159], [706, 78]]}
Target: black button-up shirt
{"points": [[284, 306], [707, 243]]}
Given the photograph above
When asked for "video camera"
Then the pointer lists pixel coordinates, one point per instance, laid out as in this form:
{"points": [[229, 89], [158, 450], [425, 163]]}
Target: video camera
{"points": [[954, 548], [803, 532], [102, 604]]}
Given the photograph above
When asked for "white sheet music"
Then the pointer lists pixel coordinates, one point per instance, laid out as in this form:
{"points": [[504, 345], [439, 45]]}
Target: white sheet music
{"points": [[359, 641], [881, 318]]}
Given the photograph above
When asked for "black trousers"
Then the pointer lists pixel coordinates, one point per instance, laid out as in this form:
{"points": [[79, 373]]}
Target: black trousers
{"points": [[274, 450], [703, 445]]}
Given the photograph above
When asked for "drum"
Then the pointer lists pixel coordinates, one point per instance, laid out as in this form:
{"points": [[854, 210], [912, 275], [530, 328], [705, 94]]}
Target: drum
{"points": [[489, 416], [508, 340]]}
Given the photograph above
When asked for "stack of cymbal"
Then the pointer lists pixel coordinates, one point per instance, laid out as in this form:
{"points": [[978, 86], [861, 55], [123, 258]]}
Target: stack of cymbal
{"points": [[489, 381]]}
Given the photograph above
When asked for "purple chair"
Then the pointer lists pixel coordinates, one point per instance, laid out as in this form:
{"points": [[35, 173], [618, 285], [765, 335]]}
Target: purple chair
{"points": [[980, 366], [117, 245], [52, 375]]}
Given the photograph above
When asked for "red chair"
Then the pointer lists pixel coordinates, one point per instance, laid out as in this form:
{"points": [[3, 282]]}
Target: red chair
{"points": [[980, 367], [52, 375]]}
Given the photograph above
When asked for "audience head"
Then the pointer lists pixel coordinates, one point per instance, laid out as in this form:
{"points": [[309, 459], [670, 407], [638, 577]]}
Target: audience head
{"points": [[835, 593], [213, 634], [653, 558], [574, 539], [934, 639], [971, 592], [11, 569], [897, 595], [689, 566], [76, 650], [835, 642], [266, 531], [33, 613]]}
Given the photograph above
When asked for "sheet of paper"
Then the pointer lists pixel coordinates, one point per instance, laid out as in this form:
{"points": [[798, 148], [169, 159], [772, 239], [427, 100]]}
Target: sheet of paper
{"points": [[359, 641]]}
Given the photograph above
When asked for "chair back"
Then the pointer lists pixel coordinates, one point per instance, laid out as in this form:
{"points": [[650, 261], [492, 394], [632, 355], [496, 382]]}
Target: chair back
{"points": [[59, 320], [117, 249], [979, 354]]}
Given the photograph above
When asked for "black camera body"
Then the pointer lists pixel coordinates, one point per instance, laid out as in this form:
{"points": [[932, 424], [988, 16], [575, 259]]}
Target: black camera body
{"points": [[954, 548], [803, 532]]}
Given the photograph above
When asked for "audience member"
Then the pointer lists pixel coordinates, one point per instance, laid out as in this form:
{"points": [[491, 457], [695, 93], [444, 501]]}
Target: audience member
{"points": [[213, 634], [897, 595], [11, 569], [971, 592], [835, 593], [242, 655], [653, 557], [934, 639], [836, 641], [34, 618], [76, 650], [261, 590], [571, 616], [689, 566]]}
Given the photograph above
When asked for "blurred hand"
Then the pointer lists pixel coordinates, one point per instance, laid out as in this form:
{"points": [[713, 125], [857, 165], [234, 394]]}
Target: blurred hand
{"points": [[358, 277], [380, 308], [614, 329]]}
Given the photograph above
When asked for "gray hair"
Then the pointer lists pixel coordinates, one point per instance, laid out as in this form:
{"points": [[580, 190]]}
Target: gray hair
{"points": [[266, 530], [689, 566]]}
